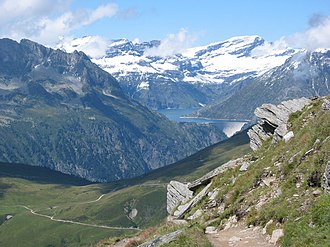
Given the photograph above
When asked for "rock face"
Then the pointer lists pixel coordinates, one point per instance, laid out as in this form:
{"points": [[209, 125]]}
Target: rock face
{"points": [[244, 167], [182, 198], [183, 208], [207, 178], [177, 193], [210, 230], [326, 105], [276, 235], [273, 121]]}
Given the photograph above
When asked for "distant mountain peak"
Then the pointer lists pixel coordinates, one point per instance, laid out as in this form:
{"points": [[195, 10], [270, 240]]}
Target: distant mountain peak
{"points": [[198, 73]]}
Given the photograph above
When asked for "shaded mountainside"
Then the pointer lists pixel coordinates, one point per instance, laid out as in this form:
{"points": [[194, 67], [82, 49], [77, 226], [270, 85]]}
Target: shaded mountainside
{"points": [[275, 196], [61, 111], [306, 74]]}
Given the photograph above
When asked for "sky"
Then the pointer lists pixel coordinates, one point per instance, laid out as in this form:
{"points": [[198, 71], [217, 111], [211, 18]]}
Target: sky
{"points": [[300, 23]]}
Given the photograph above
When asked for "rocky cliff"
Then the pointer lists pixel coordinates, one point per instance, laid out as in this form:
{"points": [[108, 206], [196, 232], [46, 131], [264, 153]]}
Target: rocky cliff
{"points": [[274, 121]]}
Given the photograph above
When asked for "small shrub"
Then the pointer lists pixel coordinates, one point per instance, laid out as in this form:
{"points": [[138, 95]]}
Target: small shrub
{"points": [[294, 116], [252, 217], [315, 179], [270, 228]]}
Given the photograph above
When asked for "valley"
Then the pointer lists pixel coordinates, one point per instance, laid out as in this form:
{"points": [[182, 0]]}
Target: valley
{"points": [[70, 211]]}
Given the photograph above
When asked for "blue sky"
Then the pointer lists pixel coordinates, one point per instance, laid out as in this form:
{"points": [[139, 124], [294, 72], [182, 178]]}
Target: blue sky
{"points": [[202, 22], [209, 20]]}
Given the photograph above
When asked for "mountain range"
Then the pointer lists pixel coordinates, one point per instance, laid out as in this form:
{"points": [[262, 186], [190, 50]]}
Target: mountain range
{"points": [[62, 111], [231, 77], [305, 74], [182, 80]]}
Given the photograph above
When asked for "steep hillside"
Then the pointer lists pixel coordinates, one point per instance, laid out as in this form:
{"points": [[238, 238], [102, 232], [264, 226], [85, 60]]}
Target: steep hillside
{"points": [[62, 111], [306, 74], [159, 79], [277, 195]]}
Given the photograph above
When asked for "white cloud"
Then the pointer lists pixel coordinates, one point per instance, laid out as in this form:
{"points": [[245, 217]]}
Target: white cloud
{"points": [[136, 41], [93, 46], [44, 21], [27, 9], [270, 48], [108, 10], [172, 44], [316, 36]]}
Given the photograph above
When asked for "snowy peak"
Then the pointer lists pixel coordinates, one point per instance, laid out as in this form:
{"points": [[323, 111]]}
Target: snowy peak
{"points": [[241, 45], [198, 73], [214, 63], [302, 66], [244, 55], [126, 47]]}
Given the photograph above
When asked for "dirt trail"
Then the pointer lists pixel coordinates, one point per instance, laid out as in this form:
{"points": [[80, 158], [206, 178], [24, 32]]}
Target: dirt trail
{"points": [[239, 236], [80, 223]]}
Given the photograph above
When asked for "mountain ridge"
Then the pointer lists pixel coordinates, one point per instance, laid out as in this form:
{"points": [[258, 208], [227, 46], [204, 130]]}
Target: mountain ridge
{"points": [[182, 80], [306, 74]]}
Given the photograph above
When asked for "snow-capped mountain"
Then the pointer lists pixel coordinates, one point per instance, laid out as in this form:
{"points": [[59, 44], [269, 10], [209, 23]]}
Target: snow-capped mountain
{"points": [[305, 74], [192, 78]]}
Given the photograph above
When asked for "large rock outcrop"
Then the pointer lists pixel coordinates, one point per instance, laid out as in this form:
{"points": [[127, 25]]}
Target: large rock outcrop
{"points": [[208, 177], [177, 193], [274, 121], [182, 197]]}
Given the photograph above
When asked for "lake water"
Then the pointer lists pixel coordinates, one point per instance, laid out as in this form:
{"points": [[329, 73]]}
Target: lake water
{"points": [[229, 127]]}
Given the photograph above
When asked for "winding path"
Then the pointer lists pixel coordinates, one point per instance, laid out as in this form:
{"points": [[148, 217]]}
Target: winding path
{"points": [[80, 223], [93, 200]]}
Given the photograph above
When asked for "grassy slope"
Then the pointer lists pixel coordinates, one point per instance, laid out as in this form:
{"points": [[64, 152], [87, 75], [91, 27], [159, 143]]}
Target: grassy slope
{"points": [[64, 197], [303, 216]]}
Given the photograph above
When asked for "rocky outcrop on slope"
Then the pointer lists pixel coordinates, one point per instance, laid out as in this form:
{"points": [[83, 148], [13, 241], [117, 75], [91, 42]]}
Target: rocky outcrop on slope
{"points": [[177, 193], [182, 197], [284, 180], [274, 121]]}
